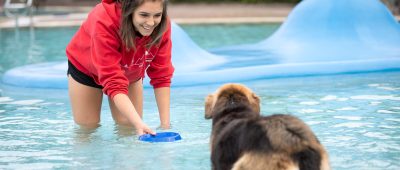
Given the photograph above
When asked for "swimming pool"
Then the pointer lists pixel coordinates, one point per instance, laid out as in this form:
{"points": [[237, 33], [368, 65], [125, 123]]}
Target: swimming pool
{"points": [[35, 47], [356, 116]]}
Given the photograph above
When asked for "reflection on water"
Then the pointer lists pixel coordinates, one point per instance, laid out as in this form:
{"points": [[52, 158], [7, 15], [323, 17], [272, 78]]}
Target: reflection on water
{"points": [[29, 45], [124, 131], [83, 134]]}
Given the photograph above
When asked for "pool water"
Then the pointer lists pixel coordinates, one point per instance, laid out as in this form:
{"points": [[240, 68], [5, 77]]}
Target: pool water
{"points": [[355, 116], [33, 44]]}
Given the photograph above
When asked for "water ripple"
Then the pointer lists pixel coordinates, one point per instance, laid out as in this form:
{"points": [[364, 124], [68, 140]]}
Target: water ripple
{"points": [[10, 143], [26, 102], [348, 117], [347, 109], [5, 99], [374, 103], [377, 135], [386, 111], [389, 127], [29, 108], [333, 98], [315, 122], [309, 103], [353, 125], [310, 111], [384, 87], [345, 138], [389, 88], [392, 119], [375, 97]]}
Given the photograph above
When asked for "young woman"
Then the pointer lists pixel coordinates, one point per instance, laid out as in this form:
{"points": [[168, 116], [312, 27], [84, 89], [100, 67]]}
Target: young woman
{"points": [[120, 41]]}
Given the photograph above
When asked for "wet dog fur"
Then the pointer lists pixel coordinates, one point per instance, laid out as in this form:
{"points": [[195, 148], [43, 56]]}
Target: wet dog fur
{"points": [[241, 139]]}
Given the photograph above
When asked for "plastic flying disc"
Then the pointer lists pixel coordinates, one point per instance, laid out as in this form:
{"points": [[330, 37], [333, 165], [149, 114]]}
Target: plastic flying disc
{"points": [[161, 137]]}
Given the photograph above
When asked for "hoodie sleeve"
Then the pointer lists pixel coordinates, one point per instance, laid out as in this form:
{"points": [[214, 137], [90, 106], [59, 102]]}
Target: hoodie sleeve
{"points": [[161, 70], [106, 61], [105, 44]]}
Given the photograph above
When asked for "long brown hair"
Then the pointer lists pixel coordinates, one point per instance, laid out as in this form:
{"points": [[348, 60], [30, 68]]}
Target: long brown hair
{"points": [[127, 31]]}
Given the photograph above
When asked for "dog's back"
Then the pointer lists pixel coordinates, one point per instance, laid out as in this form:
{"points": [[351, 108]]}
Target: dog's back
{"points": [[242, 139], [291, 145], [277, 142]]}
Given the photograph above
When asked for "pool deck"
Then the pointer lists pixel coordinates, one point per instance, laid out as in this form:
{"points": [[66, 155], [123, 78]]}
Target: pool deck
{"points": [[73, 15], [180, 13]]}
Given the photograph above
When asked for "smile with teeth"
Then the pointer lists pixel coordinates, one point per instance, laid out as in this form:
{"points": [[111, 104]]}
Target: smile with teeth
{"points": [[147, 27]]}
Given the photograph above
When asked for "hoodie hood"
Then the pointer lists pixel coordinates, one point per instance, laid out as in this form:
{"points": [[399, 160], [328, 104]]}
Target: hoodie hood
{"points": [[112, 10]]}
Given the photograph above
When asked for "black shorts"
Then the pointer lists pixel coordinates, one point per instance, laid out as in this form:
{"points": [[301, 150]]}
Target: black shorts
{"points": [[81, 77]]}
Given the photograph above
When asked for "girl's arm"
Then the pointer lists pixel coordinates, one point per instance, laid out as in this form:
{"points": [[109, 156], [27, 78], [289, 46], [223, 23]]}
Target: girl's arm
{"points": [[162, 95], [125, 106]]}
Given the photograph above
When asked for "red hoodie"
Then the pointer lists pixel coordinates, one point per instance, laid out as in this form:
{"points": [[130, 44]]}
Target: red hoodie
{"points": [[97, 50]]}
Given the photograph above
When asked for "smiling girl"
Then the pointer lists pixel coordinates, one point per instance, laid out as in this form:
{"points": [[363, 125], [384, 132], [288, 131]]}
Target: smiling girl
{"points": [[110, 53]]}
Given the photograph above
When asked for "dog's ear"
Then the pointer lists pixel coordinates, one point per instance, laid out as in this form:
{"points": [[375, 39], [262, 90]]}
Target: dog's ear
{"points": [[209, 106], [255, 103]]}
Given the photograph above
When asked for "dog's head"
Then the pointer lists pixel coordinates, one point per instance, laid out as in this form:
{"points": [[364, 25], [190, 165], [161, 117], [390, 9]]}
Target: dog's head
{"points": [[231, 94]]}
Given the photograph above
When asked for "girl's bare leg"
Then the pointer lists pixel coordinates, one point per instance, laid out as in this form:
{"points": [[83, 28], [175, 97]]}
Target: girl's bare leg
{"points": [[85, 102]]}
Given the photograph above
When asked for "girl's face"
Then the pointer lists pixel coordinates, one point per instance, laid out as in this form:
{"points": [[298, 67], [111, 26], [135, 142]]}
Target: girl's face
{"points": [[147, 16]]}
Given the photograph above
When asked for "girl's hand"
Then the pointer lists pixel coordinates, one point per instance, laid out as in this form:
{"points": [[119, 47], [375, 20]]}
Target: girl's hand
{"points": [[142, 129]]}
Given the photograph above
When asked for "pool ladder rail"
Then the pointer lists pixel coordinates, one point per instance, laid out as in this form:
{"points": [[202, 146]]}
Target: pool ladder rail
{"points": [[15, 9]]}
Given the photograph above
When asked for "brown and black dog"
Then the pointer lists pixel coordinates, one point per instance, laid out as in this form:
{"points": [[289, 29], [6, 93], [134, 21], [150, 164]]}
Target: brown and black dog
{"points": [[241, 139]]}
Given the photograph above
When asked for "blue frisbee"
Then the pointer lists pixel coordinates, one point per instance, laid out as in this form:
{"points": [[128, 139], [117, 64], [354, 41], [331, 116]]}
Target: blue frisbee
{"points": [[161, 137]]}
